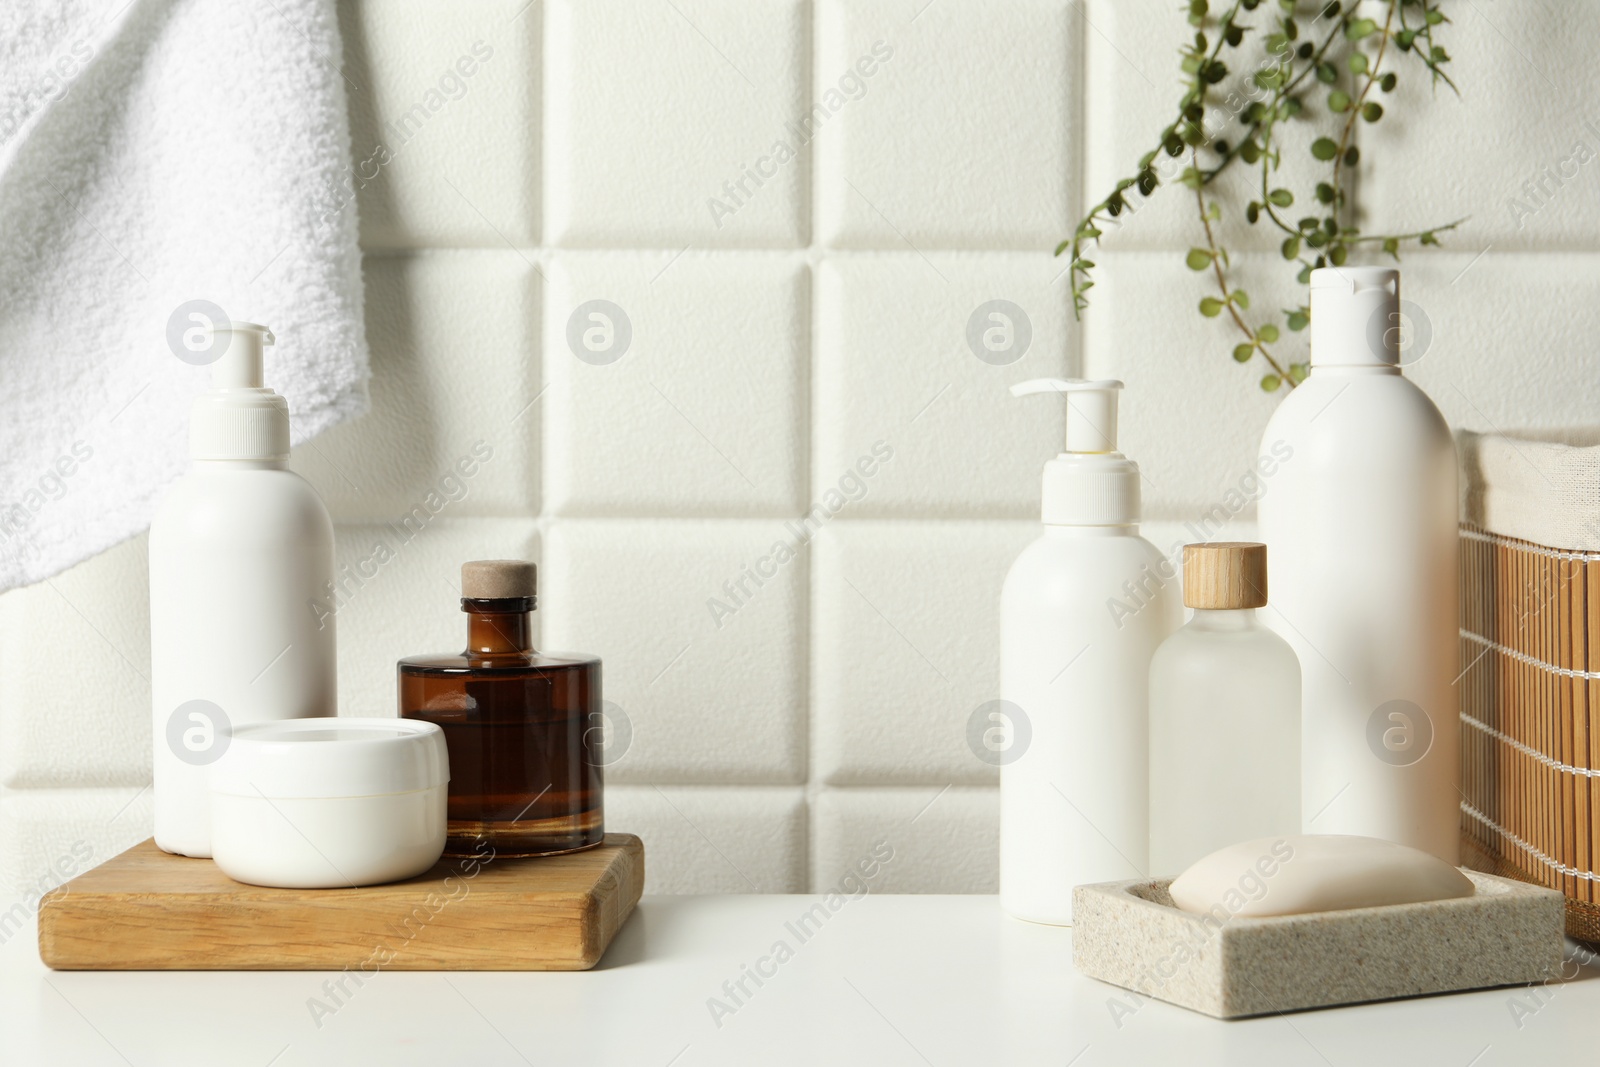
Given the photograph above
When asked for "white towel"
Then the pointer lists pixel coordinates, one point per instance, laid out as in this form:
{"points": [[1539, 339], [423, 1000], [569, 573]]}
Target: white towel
{"points": [[154, 153]]}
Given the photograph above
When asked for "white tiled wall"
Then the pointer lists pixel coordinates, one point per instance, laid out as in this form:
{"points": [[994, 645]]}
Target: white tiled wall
{"points": [[795, 697]]}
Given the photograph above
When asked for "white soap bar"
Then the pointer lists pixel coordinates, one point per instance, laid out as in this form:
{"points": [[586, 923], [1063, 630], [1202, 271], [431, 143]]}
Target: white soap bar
{"points": [[1314, 872]]}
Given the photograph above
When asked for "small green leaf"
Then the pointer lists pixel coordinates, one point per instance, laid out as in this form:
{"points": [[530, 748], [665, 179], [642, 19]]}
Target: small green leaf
{"points": [[1352, 156], [1324, 192], [1197, 259], [1270, 383], [1291, 247], [1357, 63], [1391, 245], [1305, 274], [1298, 320], [1337, 254], [1324, 148], [1372, 111], [1299, 371], [1241, 298], [1252, 212], [1281, 197], [1327, 73], [1250, 151], [1428, 238], [1360, 28], [1435, 16], [1210, 307], [1404, 39], [1339, 100], [1198, 8], [1387, 82], [1268, 333], [1242, 353]]}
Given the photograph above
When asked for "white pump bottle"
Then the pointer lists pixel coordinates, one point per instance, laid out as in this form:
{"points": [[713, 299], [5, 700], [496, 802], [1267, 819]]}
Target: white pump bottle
{"points": [[241, 554], [1082, 612], [1360, 526]]}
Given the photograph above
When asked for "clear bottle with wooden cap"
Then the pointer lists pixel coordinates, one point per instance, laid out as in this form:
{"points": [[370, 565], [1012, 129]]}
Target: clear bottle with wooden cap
{"points": [[1224, 715], [524, 778]]}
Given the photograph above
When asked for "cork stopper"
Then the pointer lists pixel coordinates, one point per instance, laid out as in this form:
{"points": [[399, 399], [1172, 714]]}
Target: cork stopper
{"points": [[1225, 574], [498, 579]]}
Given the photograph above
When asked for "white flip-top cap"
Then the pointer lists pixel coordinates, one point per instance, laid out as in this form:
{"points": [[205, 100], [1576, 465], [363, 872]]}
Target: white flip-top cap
{"points": [[239, 418], [332, 757], [1090, 483], [1355, 317]]}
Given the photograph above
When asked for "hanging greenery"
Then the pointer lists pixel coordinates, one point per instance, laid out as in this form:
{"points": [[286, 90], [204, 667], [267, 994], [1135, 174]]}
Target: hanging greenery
{"points": [[1343, 64]]}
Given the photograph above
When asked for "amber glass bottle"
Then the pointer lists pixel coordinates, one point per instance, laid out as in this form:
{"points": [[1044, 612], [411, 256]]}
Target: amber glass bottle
{"points": [[515, 722]]}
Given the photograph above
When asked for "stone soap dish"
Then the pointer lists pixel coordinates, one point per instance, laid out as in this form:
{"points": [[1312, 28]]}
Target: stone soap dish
{"points": [[1131, 935]]}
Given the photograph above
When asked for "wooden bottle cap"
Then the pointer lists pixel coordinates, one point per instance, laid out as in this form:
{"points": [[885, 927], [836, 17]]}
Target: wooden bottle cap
{"points": [[498, 579], [1225, 574]]}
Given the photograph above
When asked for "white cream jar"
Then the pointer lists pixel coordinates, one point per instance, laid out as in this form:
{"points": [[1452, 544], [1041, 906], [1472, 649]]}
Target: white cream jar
{"points": [[329, 803]]}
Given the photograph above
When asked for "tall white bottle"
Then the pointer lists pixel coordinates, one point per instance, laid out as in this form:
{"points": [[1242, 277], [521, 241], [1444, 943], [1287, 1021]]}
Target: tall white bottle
{"points": [[1360, 524], [1081, 613], [241, 551]]}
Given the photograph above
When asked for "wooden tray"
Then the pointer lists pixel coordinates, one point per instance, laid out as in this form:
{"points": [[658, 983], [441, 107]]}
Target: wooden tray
{"points": [[147, 910]]}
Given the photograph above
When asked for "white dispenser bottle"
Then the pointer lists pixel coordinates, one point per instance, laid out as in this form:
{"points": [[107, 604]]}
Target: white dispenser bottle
{"points": [[1360, 525], [1224, 715], [1083, 609], [241, 552]]}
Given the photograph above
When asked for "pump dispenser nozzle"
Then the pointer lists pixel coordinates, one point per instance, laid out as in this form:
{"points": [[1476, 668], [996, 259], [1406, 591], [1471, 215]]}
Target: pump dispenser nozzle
{"points": [[1090, 483], [240, 418], [240, 365], [1091, 410]]}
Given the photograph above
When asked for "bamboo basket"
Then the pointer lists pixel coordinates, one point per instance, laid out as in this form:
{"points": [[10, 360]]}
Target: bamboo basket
{"points": [[1530, 666]]}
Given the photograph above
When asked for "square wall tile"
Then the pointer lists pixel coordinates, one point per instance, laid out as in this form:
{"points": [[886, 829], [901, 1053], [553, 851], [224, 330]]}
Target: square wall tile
{"points": [[1190, 416], [444, 122], [895, 676], [400, 595], [1505, 342], [1517, 153], [701, 626], [1135, 83], [946, 125], [714, 840], [48, 836], [455, 362], [677, 384], [673, 124], [915, 360], [929, 840], [75, 675]]}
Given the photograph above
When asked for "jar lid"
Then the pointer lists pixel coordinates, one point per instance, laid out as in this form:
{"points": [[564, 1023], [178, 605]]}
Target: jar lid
{"points": [[332, 757]]}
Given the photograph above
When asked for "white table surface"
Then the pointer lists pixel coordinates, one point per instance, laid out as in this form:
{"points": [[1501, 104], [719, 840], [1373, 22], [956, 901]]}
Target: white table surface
{"points": [[887, 980]]}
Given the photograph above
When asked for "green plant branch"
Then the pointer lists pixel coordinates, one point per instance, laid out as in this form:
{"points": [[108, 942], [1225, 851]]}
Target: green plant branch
{"points": [[1284, 80], [1229, 296]]}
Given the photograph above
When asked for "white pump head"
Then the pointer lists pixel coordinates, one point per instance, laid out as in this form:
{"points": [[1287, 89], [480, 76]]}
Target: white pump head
{"points": [[1355, 317], [1091, 410], [239, 418], [1090, 483]]}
